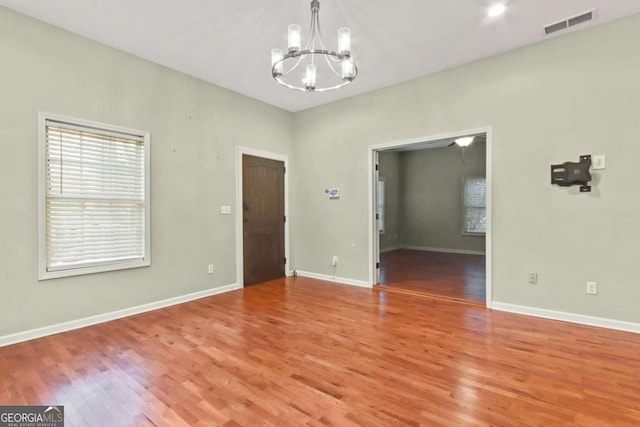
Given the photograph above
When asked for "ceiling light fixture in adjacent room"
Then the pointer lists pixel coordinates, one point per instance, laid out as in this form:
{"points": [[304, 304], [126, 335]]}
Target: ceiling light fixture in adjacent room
{"points": [[314, 68], [496, 10], [464, 141]]}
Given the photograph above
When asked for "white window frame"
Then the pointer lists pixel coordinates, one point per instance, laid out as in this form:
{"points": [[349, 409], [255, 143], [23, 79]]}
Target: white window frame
{"points": [[464, 205], [43, 273], [381, 205]]}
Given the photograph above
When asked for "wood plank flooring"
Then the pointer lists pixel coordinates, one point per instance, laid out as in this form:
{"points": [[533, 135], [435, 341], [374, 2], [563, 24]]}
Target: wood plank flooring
{"points": [[298, 351], [454, 276]]}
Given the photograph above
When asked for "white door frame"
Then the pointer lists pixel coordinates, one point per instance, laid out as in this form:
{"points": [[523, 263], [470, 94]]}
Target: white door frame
{"points": [[374, 236], [240, 151]]}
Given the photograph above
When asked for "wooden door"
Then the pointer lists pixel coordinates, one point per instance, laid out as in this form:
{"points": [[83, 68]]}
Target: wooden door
{"points": [[263, 219]]}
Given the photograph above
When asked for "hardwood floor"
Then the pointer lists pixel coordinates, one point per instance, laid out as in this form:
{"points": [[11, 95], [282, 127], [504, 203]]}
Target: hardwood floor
{"points": [[454, 276], [299, 351]]}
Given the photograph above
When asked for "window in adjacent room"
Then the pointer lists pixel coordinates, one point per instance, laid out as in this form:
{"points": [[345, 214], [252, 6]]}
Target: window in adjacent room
{"points": [[93, 197], [381, 205], [474, 206]]}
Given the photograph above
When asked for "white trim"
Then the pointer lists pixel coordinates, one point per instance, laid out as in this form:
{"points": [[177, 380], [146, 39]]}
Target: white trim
{"points": [[488, 245], [240, 151], [374, 235], [425, 139], [107, 317], [42, 195], [327, 278], [444, 250], [581, 319], [384, 220]]}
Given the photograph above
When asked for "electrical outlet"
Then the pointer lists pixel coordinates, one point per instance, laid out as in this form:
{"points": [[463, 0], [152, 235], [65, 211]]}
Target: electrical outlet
{"points": [[210, 269], [592, 288], [225, 210], [334, 260], [533, 278]]}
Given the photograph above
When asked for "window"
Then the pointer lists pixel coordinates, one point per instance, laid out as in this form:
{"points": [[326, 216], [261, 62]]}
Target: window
{"points": [[93, 197], [381, 205], [474, 206]]}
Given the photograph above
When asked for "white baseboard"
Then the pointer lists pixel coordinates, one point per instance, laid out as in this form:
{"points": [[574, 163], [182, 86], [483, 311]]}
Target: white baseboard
{"points": [[389, 249], [567, 317], [445, 250], [342, 280], [106, 317]]}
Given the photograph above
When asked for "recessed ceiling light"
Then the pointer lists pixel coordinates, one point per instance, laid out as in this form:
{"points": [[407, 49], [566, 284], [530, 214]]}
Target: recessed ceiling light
{"points": [[496, 10]]}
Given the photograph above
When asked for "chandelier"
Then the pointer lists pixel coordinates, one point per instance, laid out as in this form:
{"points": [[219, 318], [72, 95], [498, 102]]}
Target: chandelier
{"points": [[314, 68]]}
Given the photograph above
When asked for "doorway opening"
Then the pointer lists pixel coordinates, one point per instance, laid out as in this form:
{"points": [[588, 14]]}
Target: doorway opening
{"points": [[431, 216], [261, 217]]}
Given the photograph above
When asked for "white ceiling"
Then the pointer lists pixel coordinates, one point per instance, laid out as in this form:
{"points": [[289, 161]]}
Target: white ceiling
{"points": [[228, 42]]}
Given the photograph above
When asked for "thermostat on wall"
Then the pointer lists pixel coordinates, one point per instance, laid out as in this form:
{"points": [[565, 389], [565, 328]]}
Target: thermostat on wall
{"points": [[334, 193]]}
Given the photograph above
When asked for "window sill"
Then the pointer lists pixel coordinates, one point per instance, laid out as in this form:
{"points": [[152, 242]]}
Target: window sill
{"points": [[80, 271]]}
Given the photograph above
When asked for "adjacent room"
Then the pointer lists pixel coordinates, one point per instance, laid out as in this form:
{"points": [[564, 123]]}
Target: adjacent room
{"points": [[215, 214], [431, 201]]}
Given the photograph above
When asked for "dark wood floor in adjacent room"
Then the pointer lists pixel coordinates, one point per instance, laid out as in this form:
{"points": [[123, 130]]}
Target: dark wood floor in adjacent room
{"points": [[454, 276], [304, 352]]}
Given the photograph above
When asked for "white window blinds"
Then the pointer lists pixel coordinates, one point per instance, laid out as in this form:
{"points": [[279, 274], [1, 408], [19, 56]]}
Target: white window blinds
{"points": [[95, 205], [475, 207]]}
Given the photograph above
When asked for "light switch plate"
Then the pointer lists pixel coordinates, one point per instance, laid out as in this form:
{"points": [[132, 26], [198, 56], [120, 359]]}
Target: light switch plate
{"points": [[598, 162], [225, 210]]}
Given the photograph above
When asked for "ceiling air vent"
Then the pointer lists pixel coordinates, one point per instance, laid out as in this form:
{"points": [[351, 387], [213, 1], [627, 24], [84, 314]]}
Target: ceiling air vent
{"points": [[569, 22]]}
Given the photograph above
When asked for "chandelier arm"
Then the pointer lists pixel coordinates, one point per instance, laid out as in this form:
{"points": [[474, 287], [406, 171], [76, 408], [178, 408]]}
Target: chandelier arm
{"points": [[294, 66], [328, 59]]}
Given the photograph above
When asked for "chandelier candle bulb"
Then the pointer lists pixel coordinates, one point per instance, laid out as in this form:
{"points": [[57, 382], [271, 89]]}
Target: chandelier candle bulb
{"points": [[347, 69], [310, 80], [344, 41], [276, 61], [294, 37]]}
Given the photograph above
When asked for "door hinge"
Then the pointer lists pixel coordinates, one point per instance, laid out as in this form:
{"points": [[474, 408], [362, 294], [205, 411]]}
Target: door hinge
{"points": [[284, 169], [377, 265], [285, 218], [377, 167], [377, 216], [285, 260]]}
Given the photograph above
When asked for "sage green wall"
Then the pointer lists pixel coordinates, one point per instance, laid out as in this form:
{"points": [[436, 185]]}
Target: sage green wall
{"points": [[547, 103], [390, 172], [195, 128], [431, 197]]}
